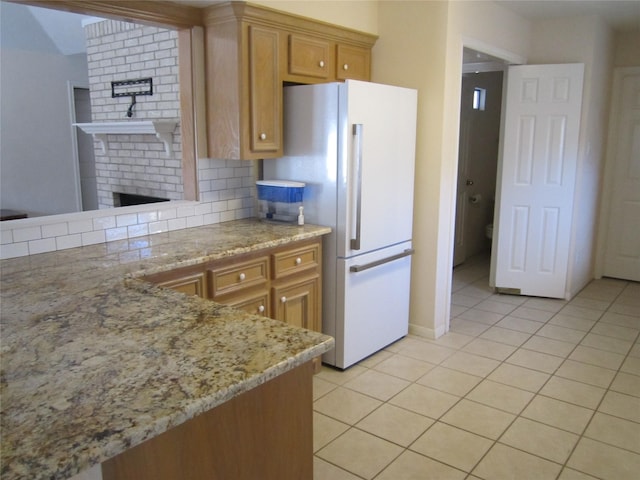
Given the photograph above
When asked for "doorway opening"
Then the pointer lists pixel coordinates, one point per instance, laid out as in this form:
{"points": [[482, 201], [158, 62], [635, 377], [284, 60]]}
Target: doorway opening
{"points": [[85, 156], [479, 143]]}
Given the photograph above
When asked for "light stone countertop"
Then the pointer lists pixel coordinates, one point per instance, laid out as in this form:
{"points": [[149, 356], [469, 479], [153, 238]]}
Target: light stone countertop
{"points": [[95, 361]]}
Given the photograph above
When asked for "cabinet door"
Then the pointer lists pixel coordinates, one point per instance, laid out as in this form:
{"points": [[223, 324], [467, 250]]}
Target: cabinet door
{"points": [[265, 96], [309, 57], [255, 303], [298, 303], [353, 62]]}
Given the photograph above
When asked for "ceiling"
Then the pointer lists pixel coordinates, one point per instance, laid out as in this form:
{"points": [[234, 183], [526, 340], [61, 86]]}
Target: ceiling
{"points": [[65, 29], [621, 15]]}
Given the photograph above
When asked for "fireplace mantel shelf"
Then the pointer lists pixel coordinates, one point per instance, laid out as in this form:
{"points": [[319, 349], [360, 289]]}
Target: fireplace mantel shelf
{"points": [[163, 129]]}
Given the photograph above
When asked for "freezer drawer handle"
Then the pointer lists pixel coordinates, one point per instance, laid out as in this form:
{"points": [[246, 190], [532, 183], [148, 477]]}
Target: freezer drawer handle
{"points": [[367, 266], [357, 133]]}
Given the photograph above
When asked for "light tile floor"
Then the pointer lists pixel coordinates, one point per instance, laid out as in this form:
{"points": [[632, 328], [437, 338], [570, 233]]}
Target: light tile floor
{"points": [[520, 388]]}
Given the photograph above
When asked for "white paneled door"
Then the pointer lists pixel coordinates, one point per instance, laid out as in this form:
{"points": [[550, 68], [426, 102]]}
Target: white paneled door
{"points": [[622, 251], [542, 123]]}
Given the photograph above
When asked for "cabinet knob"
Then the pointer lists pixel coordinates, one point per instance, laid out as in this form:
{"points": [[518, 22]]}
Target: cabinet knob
{"points": [[261, 309], [321, 63], [298, 261], [242, 276], [263, 136], [283, 299], [345, 66]]}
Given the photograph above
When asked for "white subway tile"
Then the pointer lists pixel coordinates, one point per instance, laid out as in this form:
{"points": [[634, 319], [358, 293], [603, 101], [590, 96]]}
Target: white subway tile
{"points": [[186, 211], [211, 218], [13, 250], [195, 221], [220, 206], [55, 230], [126, 220], [119, 233], [42, 246], [103, 223], [68, 241], [147, 217], [159, 227], [6, 236], [203, 208], [26, 234], [177, 224], [80, 226], [137, 230], [227, 216]]}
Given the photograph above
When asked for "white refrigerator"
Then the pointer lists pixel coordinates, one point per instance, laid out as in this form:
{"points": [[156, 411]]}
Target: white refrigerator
{"points": [[353, 145]]}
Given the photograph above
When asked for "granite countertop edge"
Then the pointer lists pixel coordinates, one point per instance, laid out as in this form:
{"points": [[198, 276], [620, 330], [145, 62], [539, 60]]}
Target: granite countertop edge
{"points": [[52, 303]]}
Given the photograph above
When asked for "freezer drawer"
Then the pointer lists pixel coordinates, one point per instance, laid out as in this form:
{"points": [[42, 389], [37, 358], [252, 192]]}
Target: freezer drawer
{"points": [[373, 306]]}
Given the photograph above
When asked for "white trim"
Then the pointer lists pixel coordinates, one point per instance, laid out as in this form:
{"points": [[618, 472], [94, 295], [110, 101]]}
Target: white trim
{"points": [[163, 129], [71, 86], [609, 167], [508, 56]]}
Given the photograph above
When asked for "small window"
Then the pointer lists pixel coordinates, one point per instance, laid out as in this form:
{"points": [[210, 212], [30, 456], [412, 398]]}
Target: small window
{"points": [[479, 96]]}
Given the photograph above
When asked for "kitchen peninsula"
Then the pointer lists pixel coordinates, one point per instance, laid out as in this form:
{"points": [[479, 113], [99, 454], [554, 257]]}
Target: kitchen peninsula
{"points": [[97, 363]]}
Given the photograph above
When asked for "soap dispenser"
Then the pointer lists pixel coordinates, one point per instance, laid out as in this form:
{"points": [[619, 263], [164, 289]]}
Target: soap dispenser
{"points": [[300, 215]]}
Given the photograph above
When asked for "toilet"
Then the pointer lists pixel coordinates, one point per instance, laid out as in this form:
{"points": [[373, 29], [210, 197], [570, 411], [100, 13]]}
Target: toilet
{"points": [[488, 231]]}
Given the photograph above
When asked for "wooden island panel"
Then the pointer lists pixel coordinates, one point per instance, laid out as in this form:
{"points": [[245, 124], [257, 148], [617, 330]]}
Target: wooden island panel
{"points": [[265, 433]]}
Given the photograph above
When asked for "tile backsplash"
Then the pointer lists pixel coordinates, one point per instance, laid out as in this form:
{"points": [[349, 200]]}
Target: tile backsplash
{"points": [[227, 192]]}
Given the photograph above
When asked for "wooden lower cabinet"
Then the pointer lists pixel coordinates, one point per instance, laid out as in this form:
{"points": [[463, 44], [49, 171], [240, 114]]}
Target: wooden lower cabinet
{"points": [[265, 433], [283, 283], [297, 303], [189, 280], [256, 303]]}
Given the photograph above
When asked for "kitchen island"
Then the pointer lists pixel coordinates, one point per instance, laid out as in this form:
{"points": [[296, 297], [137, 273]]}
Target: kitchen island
{"points": [[96, 361]]}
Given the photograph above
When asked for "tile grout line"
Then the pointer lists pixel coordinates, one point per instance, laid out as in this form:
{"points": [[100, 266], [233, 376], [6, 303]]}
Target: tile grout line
{"points": [[486, 377]]}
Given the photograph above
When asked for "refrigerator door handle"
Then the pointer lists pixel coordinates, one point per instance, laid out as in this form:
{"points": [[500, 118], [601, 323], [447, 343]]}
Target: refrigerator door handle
{"points": [[357, 133], [382, 261]]}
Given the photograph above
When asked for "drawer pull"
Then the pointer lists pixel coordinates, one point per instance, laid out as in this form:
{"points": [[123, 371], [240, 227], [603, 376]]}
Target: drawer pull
{"points": [[345, 66], [298, 261], [261, 309], [242, 276], [321, 63], [283, 299], [263, 136]]}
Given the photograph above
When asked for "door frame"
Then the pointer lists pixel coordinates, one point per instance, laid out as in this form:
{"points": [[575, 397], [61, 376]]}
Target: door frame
{"points": [[508, 58], [609, 167], [71, 86]]}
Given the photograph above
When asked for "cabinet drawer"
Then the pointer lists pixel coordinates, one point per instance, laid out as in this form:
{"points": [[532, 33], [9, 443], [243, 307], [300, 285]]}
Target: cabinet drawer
{"points": [[192, 285], [353, 62], [229, 279], [256, 303], [189, 280], [291, 262], [309, 57]]}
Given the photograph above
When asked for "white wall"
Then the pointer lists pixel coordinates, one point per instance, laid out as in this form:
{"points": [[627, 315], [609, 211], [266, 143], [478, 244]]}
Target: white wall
{"points": [[421, 46], [356, 14], [36, 157], [587, 40]]}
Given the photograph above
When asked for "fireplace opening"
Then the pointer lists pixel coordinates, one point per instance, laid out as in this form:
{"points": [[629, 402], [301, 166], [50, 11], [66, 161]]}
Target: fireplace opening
{"points": [[127, 199]]}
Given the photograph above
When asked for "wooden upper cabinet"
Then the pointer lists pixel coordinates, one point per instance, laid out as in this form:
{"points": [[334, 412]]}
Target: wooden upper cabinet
{"points": [[353, 62], [250, 52], [265, 91], [310, 57]]}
